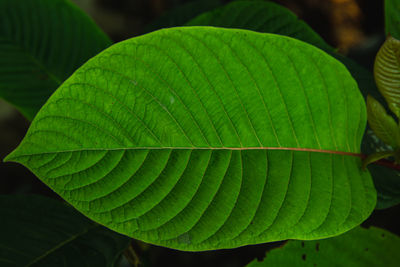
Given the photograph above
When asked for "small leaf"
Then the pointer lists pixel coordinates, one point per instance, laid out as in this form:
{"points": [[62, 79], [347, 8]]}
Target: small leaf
{"points": [[383, 125], [41, 43], [359, 247], [183, 138], [387, 73], [392, 18], [39, 231], [377, 156]]}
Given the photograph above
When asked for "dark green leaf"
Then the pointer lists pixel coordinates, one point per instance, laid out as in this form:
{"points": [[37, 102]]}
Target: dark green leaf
{"points": [[392, 18], [260, 16], [181, 14], [39, 231], [41, 43], [359, 247], [185, 139], [386, 180]]}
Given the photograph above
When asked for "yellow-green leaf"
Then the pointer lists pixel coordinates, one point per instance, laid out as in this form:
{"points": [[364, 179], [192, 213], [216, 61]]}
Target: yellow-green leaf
{"points": [[383, 125], [387, 73]]}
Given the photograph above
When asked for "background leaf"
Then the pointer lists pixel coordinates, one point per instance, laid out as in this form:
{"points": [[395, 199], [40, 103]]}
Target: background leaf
{"points": [[383, 125], [169, 137], [39, 231], [359, 247], [386, 180], [265, 16], [260, 16], [182, 14], [41, 43], [392, 18], [387, 73]]}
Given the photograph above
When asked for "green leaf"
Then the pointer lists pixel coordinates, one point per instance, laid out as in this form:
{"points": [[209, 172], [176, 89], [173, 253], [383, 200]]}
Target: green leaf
{"points": [[41, 43], [39, 231], [383, 125], [182, 14], [268, 17], [201, 138], [264, 16], [392, 18], [359, 247], [387, 73]]}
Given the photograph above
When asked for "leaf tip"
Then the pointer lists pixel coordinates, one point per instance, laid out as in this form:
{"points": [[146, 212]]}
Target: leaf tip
{"points": [[9, 157], [13, 156]]}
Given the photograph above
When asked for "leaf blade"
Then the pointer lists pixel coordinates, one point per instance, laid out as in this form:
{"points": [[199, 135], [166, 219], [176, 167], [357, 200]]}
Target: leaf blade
{"points": [[155, 122]]}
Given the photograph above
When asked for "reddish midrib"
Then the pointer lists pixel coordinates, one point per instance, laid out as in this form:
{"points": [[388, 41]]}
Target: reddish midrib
{"points": [[383, 162]]}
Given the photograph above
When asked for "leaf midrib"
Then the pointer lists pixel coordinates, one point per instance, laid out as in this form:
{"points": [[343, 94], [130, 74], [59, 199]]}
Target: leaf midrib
{"points": [[11, 157]]}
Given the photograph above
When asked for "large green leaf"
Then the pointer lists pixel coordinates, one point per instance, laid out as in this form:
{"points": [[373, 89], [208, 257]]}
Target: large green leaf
{"points": [[41, 43], [268, 17], [359, 247], [201, 138], [39, 231], [265, 16], [392, 18]]}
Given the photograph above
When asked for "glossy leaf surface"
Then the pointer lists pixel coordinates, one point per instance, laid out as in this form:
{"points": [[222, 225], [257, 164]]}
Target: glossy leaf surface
{"points": [[41, 43], [184, 139], [39, 231], [359, 247]]}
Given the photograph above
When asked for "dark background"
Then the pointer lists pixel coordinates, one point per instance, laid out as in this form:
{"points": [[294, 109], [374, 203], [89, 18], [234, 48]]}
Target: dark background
{"points": [[355, 27]]}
